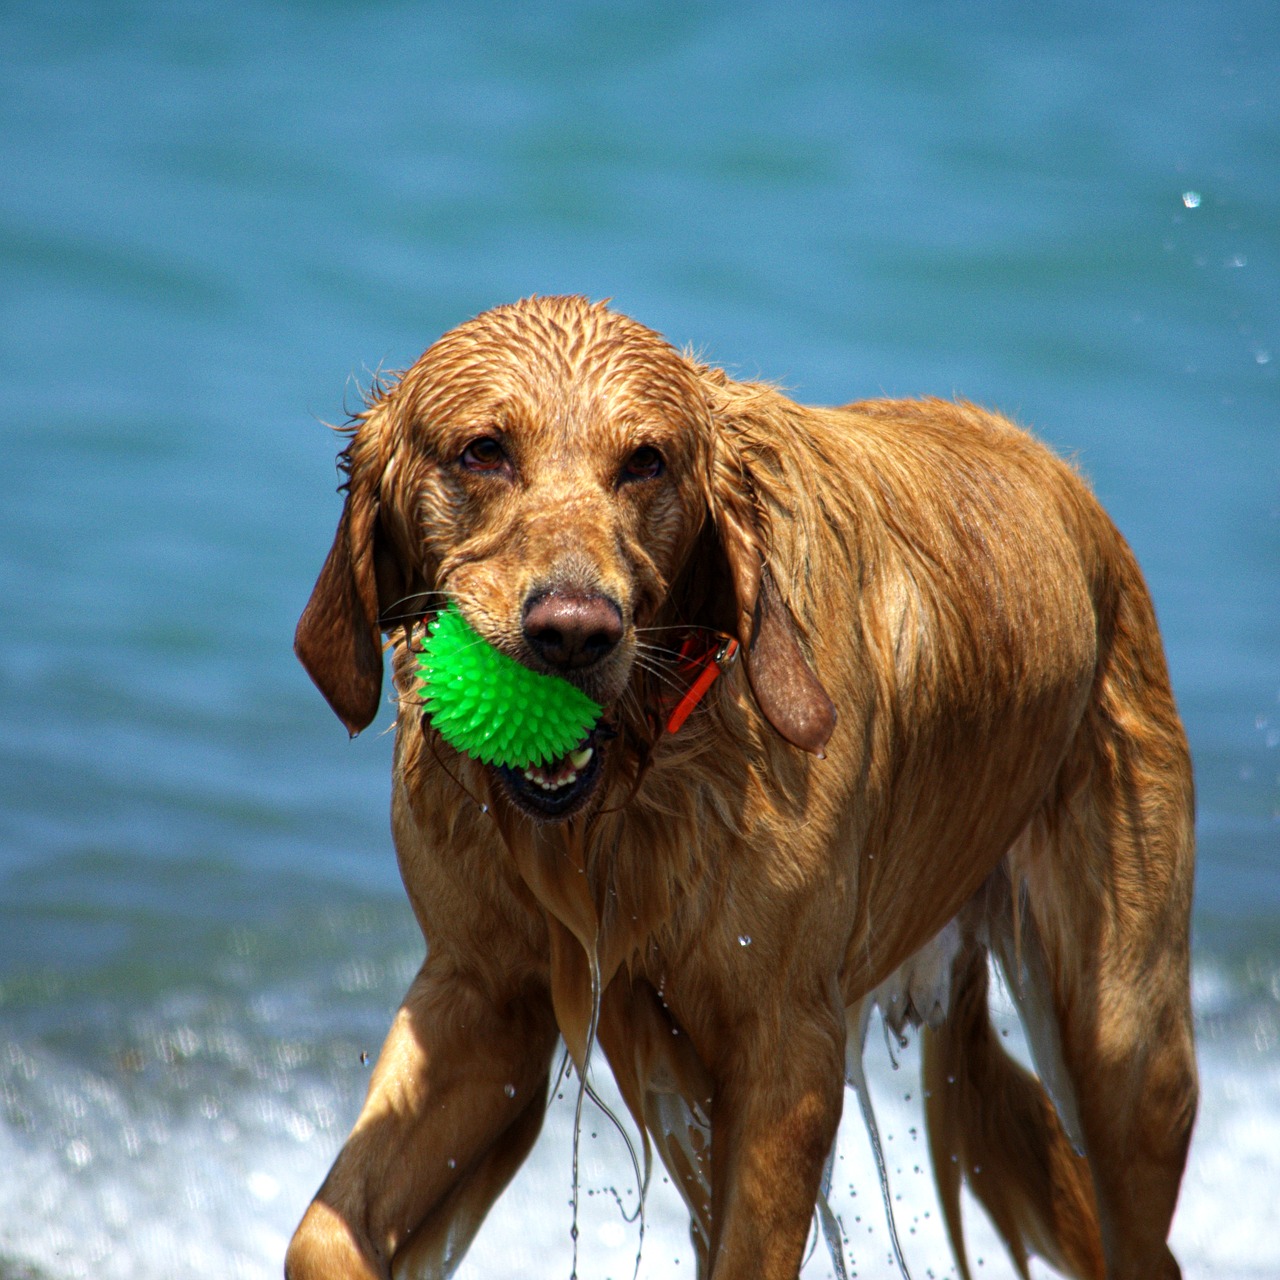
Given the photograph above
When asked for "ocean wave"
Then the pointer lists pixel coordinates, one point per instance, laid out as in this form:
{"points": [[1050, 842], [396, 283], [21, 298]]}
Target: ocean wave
{"points": [[194, 1135]]}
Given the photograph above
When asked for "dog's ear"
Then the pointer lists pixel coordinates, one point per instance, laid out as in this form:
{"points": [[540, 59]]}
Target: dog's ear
{"points": [[784, 684], [339, 636]]}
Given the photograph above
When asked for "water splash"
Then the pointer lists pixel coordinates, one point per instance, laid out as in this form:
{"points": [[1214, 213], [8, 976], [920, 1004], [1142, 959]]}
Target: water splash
{"points": [[830, 1224], [585, 1091], [856, 1078]]}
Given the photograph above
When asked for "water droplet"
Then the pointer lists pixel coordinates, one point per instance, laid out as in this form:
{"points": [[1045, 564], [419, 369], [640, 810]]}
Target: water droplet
{"points": [[79, 1153], [509, 1090], [452, 1163], [1191, 199], [744, 939]]}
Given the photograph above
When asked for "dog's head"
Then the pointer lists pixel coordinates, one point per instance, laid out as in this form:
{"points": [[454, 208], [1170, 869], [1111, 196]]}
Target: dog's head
{"points": [[559, 472]]}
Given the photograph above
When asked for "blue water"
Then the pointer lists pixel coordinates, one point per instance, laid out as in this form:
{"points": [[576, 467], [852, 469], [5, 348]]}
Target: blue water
{"points": [[218, 221]]}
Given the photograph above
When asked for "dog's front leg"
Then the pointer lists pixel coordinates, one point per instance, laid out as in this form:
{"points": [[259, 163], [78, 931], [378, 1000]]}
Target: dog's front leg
{"points": [[779, 1093], [454, 1104]]}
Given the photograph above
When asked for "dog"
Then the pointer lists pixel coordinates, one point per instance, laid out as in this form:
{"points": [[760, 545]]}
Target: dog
{"points": [[950, 737]]}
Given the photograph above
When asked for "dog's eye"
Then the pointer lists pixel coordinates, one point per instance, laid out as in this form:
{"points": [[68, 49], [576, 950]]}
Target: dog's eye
{"points": [[644, 464], [484, 454]]}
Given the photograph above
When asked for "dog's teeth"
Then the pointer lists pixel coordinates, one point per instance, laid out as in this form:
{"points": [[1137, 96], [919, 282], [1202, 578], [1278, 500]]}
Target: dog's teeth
{"points": [[579, 759], [536, 775]]}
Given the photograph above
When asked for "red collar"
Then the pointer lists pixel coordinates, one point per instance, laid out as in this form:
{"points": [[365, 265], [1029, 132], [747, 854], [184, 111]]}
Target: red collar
{"points": [[704, 656]]}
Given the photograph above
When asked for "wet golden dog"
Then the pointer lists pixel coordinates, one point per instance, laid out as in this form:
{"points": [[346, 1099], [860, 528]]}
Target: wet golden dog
{"points": [[951, 735]]}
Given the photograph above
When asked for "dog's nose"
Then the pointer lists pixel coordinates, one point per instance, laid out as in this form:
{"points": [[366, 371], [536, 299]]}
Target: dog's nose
{"points": [[572, 631]]}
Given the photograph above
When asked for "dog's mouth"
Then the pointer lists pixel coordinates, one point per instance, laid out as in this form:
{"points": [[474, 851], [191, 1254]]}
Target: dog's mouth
{"points": [[555, 791]]}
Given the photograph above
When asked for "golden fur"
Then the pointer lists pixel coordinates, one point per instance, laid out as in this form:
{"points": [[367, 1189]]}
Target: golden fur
{"points": [[951, 734]]}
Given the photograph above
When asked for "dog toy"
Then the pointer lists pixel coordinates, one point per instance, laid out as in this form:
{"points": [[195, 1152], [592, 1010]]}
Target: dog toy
{"points": [[491, 707]]}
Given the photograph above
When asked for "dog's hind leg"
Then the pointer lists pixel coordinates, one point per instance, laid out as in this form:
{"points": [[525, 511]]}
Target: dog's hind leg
{"points": [[992, 1123], [1107, 882], [1094, 935]]}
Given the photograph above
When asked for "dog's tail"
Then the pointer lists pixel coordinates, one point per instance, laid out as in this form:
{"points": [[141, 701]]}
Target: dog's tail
{"points": [[991, 1123]]}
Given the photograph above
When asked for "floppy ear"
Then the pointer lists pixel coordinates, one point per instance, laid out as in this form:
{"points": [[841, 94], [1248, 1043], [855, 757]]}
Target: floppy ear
{"points": [[339, 636], [785, 687]]}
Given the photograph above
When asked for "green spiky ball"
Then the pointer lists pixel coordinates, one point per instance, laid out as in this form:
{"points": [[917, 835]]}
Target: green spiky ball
{"points": [[492, 708]]}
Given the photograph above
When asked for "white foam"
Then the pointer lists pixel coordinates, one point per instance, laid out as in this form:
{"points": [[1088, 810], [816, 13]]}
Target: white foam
{"points": [[100, 1183]]}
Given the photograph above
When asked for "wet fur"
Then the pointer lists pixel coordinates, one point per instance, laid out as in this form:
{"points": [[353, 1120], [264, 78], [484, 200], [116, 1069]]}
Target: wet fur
{"points": [[952, 714]]}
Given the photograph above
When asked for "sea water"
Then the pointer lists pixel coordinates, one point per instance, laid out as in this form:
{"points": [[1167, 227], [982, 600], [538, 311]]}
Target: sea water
{"points": [[217, 223]]}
